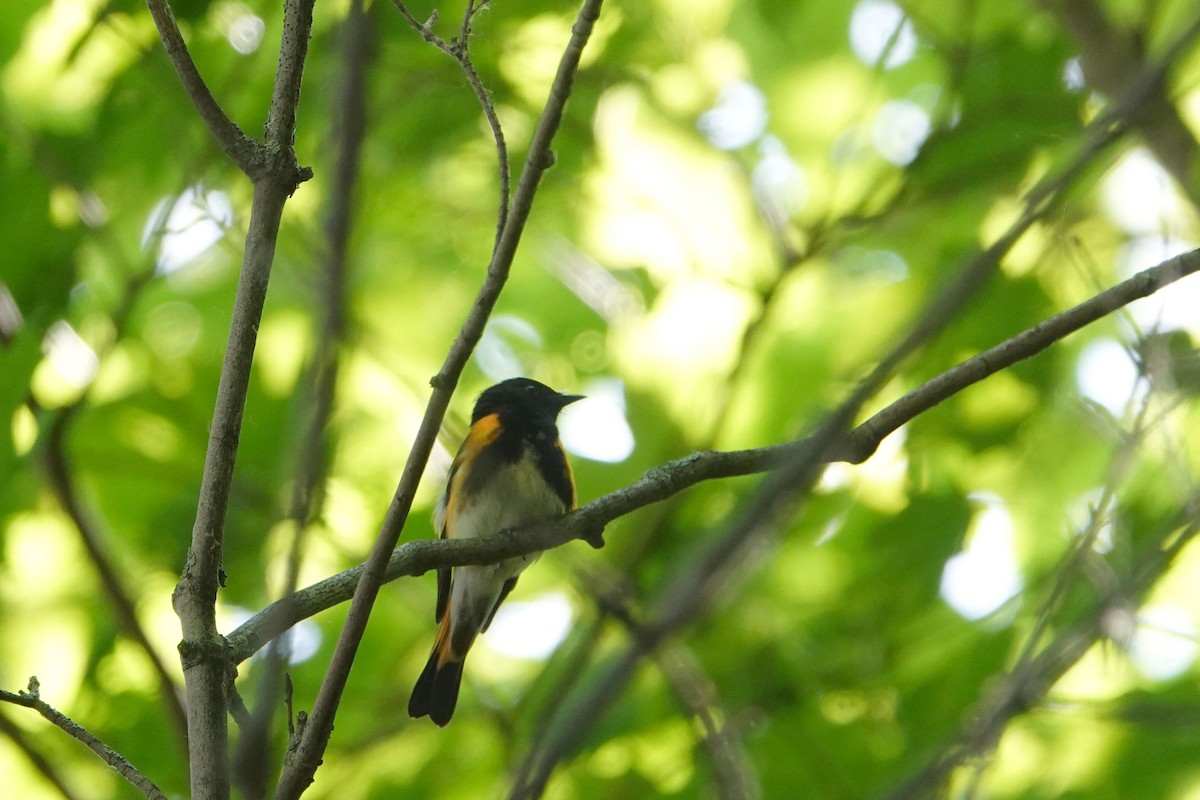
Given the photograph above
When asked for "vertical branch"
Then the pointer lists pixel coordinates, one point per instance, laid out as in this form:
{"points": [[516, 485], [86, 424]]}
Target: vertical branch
{"points": [[251, 762], [208, 670], [206, 666], [304, 758]]}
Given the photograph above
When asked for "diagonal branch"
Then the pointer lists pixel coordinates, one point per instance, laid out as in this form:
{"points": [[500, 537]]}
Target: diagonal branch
{"points": [[864, 440], [39, 762], [305, 755], [62, 482], [1109, 55], [31, 699], [733, 772], [240, 148], [661, 482], [695, 586]]}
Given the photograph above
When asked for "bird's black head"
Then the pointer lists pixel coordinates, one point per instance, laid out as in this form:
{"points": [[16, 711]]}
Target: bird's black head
{"points": [[522, 397]]}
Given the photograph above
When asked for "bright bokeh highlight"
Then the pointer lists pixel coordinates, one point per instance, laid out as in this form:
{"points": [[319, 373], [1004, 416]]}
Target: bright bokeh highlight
{"points": [[984, 576], [530, 629]]}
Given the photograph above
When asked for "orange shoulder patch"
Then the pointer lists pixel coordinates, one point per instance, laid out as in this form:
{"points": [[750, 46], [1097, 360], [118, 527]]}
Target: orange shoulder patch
{"points": [[570, 474], [482, 433]]}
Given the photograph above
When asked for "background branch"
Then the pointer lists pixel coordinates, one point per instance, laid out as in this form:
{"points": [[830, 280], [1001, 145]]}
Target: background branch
{"points": [[31, 699], [252, 765], [733, 772], [1109, 55], [694, 587], [1027, 684], [60, 475], [61, 481]]}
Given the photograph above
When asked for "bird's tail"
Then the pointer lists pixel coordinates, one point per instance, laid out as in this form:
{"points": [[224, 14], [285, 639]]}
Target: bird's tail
{"points": [[436, 692]]}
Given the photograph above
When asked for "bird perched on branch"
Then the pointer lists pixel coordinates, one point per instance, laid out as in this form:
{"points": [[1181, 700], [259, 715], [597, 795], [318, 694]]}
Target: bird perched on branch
{"points": [[511, 470]]}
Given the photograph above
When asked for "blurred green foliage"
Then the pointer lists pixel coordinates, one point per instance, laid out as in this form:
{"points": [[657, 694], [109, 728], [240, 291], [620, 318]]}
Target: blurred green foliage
{"points": [[750, 203]]}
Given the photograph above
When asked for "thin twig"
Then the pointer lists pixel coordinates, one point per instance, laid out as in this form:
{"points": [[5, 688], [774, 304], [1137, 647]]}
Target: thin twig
{"points": [[305, 756], [661, 482], [31, 699], [733, 772], [39, 762], [60, 476], [460, 52], [1084, 546]]}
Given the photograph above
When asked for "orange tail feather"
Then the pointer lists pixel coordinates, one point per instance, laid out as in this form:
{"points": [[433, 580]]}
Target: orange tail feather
{"points": [[436, 692]]}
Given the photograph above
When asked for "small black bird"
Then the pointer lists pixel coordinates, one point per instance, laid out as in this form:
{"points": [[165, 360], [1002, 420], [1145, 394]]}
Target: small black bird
{"points": [[510, 470]]}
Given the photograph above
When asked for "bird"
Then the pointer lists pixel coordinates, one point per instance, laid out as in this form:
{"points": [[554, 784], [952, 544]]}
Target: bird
{"points": [[510, 470]]}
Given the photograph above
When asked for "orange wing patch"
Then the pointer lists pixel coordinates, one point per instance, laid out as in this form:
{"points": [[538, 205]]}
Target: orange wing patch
{"points": [[570, 473], [482, 433]]}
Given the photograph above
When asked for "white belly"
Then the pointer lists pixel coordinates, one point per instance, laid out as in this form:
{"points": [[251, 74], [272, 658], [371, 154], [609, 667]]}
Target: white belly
{"points": [[515, 495]]}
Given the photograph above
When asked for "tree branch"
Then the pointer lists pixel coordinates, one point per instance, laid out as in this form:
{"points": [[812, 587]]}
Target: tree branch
{"points": [[864, 440], [1109, 55], [694, 587], [733, 772], [1027, 684], [459, 51], [285, 96], [39, 762], [305, 755], [208, 672], [661, 482], [58, 473], [252, 765], [119, 764], [242, 150]]}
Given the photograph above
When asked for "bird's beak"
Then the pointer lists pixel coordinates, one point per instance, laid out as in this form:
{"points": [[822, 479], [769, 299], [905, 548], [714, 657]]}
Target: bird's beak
{"points": [[565, 400]]}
